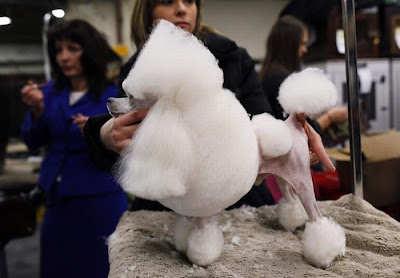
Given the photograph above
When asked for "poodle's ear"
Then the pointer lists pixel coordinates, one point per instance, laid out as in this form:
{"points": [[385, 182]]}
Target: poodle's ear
{"points": [[156, 164], [274, 136]]}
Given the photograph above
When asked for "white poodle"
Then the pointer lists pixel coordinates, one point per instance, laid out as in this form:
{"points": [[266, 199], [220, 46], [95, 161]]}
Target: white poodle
{"points": [[197, 152]]}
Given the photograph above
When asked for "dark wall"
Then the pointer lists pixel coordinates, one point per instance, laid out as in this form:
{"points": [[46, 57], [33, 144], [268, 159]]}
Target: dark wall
{"points": [[12, 110]]}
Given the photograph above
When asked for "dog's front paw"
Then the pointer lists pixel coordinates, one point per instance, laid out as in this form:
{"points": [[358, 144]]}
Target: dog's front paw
{"points": [[183, 227], [205, 245]]}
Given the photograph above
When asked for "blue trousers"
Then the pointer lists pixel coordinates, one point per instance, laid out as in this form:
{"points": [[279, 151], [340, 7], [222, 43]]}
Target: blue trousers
{"points": [[74, 233]]}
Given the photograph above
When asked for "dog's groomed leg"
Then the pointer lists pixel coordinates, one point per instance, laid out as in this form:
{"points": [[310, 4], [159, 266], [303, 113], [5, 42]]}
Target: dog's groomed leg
{"points": [[205, 242], [323, 238], [290, 211], [183, 227]]}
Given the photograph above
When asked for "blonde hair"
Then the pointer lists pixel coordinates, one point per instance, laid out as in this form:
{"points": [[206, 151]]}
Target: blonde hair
{"points": [[142, 21]]}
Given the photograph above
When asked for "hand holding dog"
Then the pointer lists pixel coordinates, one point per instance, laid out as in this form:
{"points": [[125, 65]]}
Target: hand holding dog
{"points": [[317, 150], [117, 133], [33, 97]]}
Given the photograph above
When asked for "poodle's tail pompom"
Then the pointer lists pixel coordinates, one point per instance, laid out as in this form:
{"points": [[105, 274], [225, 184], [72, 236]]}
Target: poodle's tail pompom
{"points": [[323, 240], [309, 91], [156, 74], [274, 136]]}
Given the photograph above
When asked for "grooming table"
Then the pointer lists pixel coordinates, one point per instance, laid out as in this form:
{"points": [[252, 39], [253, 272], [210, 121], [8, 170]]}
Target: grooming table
{"points": [[18, 173], [17, 218], [257, 246]]}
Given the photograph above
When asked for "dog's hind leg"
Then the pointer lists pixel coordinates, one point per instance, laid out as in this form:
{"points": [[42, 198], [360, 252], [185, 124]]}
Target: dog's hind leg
{"points": [[323, 238], [205, 241], [290, 211]]}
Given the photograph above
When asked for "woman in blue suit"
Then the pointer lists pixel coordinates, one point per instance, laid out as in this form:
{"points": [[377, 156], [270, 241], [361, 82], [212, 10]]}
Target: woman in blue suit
{"points": [[83, 203]]}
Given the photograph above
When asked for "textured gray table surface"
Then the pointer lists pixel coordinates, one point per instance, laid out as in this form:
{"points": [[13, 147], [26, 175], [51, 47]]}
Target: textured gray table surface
{"points": [[256, 245]]}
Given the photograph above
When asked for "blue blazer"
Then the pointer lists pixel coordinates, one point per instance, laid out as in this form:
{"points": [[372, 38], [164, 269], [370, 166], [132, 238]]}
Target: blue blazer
{"points": [[67, 155]]}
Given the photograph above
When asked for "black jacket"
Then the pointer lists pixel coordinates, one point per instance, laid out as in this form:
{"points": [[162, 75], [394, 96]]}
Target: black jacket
{"points": [[271, 83], [239, 77]]}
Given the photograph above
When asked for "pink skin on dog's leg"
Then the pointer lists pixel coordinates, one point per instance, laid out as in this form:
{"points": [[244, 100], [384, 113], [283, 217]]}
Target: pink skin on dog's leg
{"points": [[294, 167], [286, 189], [199, 222], [307, 198]]}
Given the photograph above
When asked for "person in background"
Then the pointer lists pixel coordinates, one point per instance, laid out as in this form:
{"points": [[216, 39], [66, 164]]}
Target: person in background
{"points": [[285, 47], [107, 137], [83, 203], [4, 125]]}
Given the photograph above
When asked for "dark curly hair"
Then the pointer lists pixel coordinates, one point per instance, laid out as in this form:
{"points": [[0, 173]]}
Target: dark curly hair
{"points": [[93, 59]]}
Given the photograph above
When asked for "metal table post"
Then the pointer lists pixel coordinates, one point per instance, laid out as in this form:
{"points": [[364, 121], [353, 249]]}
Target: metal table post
{"points": [[353, 104], [3, 260]]}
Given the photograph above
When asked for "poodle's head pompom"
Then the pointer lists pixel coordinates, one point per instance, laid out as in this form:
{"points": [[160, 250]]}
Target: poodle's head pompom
{"points": [[274, 136], [165, 65], [309, 91]]}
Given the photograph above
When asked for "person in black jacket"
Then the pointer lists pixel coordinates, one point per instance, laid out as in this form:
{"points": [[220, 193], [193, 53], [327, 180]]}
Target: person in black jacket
{"points": [[107, 136]]}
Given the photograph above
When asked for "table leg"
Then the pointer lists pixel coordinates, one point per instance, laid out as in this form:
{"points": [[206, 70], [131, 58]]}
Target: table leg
{"points": [[3, 261]]}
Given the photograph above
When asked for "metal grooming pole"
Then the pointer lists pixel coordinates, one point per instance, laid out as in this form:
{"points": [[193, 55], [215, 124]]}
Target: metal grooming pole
{"points": [[349, 26], [47, 68]]}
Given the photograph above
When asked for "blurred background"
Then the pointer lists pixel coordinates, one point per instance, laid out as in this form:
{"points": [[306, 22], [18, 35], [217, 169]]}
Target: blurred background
{"points": [[248, 22]]}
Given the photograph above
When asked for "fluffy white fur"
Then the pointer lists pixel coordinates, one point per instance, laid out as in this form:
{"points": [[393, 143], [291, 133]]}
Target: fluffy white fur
{"points": [[153, 167], [205, 245], [272, 146], [182, 228], [323, 240], [172, 63], [197, 143], [197, 152], [291, 214], [301, 92]]}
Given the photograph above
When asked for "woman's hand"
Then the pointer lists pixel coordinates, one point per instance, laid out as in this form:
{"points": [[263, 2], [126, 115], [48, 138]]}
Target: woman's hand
{"points": [[32, 96], [315, 144], [117, 133], [79, 120], [313, 158], [336, 115]]}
